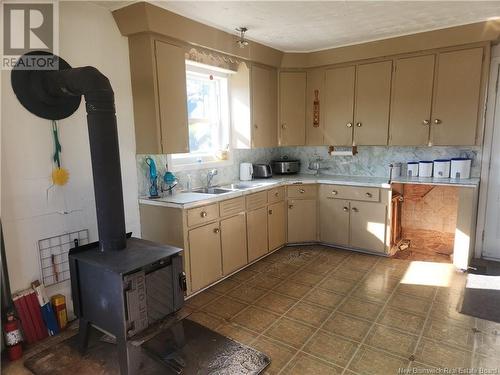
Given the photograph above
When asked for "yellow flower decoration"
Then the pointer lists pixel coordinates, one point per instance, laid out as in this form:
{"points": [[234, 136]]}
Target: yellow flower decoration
{"points": [[60, 176]]}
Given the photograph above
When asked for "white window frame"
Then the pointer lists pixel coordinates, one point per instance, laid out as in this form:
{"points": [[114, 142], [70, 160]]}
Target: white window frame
{"points": [[193, 161]]}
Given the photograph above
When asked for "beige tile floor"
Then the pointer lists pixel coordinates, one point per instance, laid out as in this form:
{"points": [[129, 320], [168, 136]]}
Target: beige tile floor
{"points": [[318, 310]]}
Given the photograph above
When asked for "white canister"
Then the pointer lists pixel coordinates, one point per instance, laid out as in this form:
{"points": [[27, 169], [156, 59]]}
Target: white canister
{"points": [[246, 171], [412, 169], [460, 168], [425, 168], [442, 168], [394, 170]]}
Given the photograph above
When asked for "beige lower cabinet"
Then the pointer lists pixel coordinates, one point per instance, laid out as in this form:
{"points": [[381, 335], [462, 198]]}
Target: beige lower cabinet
{"points": [[302, 219], [355, 217], [276, 223], [205, 255], [334, 221], [233, 243], [257, 233], [368, 226]]}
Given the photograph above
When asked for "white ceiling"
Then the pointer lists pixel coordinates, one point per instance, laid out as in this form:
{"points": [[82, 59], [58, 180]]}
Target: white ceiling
{"points": [[301, 26]]}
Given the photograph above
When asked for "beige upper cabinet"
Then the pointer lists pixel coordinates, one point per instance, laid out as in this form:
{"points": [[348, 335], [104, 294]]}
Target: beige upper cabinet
{"points": [[205, 255], [456, 97], [276, 224], [339, 106], [315, 96], [233, 243], [371, 110], [158, 73], [264, 106], [172, 96], [292, 108], [411, 101]]}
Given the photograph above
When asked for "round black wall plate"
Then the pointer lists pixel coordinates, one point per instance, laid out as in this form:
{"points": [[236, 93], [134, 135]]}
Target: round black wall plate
{"points": [[28, 85]]}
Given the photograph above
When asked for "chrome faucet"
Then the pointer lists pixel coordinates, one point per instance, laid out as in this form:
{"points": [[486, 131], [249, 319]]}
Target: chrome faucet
{"points": [[210, 175]]}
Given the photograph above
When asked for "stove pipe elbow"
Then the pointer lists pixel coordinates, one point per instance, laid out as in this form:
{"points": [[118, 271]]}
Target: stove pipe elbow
{"points": [[104, 149]]}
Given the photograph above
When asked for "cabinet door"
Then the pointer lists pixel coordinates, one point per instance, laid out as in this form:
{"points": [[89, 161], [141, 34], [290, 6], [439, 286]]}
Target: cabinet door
{"points": [[373, 95], [233, 243], [315, 85], [302, 220], [411, 101], [276, 225], [264, 107], [368, 226], [456, 97], [205, 255], [334, 221], [339, 106], [172, 98], [292, 98], [257, 233]]}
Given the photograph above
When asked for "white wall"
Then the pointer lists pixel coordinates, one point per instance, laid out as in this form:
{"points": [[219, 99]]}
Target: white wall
{"points": [[88, 36]]}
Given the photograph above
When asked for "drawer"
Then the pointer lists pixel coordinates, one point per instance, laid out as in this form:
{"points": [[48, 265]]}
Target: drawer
{"points": [[275, 195], [256, 200], [356, 193], [232, 206], [203, 214], [302, 191]]}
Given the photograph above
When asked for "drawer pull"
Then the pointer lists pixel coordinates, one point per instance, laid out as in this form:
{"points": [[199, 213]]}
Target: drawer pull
{"points": [[216, 230], [270, 212], [277, 193], [369, 195], [334, 192], [302, 191], [290, 206], [354, 209], [203, 214], [345, 209]]}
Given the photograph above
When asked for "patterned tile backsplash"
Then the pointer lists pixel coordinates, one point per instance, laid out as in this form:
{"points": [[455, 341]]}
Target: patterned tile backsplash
{"points": [[370, 161]]}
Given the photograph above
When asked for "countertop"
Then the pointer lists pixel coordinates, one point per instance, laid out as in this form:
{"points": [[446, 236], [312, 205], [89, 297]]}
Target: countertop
{"points": [[189, 200]]}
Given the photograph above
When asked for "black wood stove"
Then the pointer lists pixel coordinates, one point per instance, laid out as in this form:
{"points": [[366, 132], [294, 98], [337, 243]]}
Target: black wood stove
{"points": [[120, 285]]}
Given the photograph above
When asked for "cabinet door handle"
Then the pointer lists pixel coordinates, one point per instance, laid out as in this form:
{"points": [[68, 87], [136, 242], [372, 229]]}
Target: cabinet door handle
{"points": [[349, 124], [354, 209], [255, 126], [203, 214], [334, 192], [437, 121], [426, 122], [345, 209], [369, 195], [290, 206], [359, 124], [270, 212], [277, 194], [216, 230], [283, 126], [302, 191]]}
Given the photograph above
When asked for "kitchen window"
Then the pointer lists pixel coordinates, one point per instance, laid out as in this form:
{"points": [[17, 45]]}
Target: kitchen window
{"points": [[208, 119]]}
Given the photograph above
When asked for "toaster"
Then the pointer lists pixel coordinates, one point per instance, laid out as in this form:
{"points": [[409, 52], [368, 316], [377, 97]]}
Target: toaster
{"points": [[262, 171]]}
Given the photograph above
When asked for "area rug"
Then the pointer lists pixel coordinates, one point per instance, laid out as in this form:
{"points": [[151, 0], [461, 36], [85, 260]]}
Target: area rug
{"points": [[481, 297], [185, 348]]}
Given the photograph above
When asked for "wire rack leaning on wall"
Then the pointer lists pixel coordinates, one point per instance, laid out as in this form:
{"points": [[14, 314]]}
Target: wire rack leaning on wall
{"points": [[53, 253]]}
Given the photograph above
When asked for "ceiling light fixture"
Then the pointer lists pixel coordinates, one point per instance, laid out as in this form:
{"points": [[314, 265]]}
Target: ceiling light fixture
{"points": [[242, 42]]}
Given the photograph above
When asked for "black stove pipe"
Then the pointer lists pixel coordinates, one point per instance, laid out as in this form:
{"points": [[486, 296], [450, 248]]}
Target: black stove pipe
{"points": [[104, 150]]}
